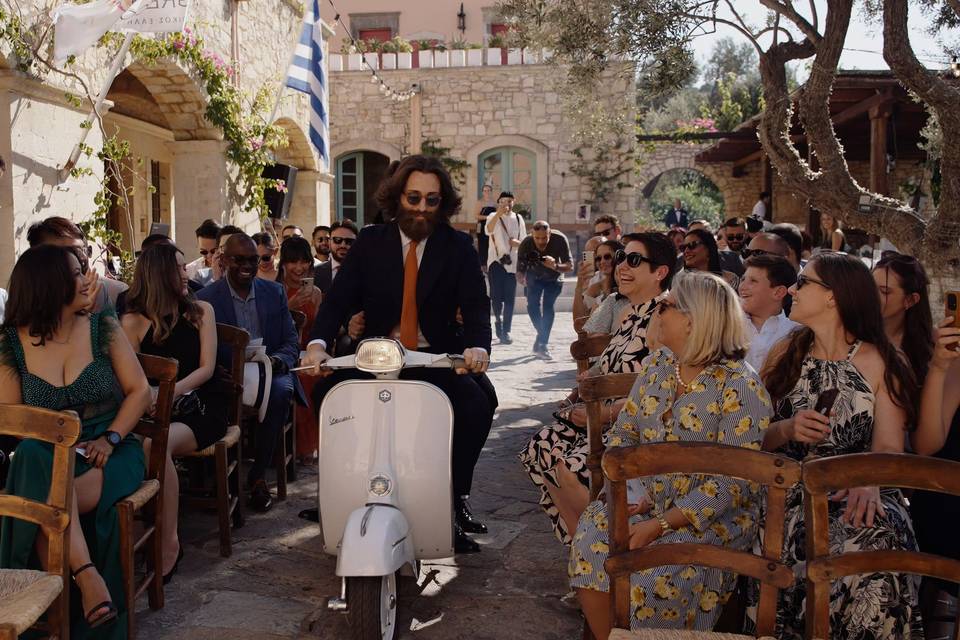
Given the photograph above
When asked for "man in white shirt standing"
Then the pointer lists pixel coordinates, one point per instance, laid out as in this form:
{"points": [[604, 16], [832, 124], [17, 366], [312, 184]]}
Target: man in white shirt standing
{"points": [[762, 291], [506, 230], [762, 206]]}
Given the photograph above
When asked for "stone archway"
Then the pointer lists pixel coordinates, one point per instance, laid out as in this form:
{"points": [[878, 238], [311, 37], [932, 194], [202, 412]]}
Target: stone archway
{"points": [[160, 109], [304, 210], [660, 158]]}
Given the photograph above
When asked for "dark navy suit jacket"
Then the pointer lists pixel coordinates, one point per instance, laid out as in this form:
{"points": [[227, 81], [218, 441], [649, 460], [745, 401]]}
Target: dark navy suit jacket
{"points": [[449, 277], [279, 335]]}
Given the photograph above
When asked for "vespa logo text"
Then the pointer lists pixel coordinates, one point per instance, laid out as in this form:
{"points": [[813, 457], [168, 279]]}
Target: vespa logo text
{"points": [[334, 421]]}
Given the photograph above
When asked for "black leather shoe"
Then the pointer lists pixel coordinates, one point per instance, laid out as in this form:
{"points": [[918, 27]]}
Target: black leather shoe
{"points": [[466, 519], [505, 338], [260, 498], [462, 542]]}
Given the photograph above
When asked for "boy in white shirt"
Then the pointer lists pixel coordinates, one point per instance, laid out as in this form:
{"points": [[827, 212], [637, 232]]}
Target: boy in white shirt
{"points": [[762, 291], [506, 229]]}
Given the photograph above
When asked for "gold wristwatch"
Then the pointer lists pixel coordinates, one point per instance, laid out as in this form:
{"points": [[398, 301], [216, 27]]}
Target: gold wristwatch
{"points": [[665, 527]]}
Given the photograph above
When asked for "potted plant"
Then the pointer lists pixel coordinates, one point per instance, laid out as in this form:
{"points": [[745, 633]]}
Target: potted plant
{"points": [[424, 53], [458, 53], [474, 55], [404, 52], [388, 55], [441, 57], [372, 55], [354, 55]]}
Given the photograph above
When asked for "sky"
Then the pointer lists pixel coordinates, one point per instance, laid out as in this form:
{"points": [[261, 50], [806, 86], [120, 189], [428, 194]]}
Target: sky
{"points": [[864, 39]]}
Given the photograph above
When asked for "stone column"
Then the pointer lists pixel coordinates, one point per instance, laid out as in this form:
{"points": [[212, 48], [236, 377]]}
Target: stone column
{"points": [[200, 189]]}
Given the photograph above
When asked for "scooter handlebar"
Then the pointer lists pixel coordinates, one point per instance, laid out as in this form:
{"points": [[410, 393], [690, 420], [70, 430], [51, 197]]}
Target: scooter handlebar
{"points": [[412, 360]]}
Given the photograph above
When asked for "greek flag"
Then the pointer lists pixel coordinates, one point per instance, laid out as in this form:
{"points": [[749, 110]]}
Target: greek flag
{"points": [[308, 74]]}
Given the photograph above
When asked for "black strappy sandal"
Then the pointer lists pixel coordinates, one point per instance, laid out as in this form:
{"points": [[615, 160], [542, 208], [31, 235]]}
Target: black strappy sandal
{"points": [[111, 608]]}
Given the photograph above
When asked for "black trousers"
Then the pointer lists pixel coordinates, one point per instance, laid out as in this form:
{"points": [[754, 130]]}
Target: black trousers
{"points": [[474, 400], [503, 293]]}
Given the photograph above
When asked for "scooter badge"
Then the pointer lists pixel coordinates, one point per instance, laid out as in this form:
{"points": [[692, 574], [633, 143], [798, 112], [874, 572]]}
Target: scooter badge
{"points": [[385, 396]]}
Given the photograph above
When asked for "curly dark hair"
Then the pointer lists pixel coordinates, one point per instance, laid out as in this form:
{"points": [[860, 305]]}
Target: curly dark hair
{"points": [[390, 190], [858, 303]]}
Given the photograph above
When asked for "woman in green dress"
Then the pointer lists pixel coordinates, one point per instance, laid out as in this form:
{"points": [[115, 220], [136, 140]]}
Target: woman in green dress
{"points": [[56, 356]]}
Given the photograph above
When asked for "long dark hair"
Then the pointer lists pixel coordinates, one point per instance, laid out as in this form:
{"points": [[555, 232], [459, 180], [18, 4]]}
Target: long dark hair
{"points": [[710, 243], [858, 304], [614, 246], [42, 283], [157, 290], [294, 249], [390, 190], [918, 339]]}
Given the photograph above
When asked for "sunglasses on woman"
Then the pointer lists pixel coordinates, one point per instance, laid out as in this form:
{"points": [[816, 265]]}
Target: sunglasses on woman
{"points": [[803, 280], [606, 257], [690, 246], [265, 259], [346, 241], [633, 259], [413, 199]]}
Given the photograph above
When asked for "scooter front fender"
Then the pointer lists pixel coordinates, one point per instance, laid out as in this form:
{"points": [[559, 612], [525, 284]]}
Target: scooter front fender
{"points": [[376, 542]]}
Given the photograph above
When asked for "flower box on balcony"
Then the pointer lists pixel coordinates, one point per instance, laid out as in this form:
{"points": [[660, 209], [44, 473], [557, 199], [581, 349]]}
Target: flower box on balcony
{"points": [[425, 58], [404, 60], [336, 62], [514, 56], [372, 59], [441, 59], [458, 58], [475, 57], [493, 57], [355, 62], [389, 61], [531, 56]]}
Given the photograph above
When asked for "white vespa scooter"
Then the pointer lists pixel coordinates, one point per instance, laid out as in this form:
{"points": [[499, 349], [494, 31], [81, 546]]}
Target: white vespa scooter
{"points": [[385, 496]]}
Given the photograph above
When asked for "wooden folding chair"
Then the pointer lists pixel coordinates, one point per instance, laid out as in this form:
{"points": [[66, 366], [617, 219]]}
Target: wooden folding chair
{"points": [[826, 475], [776, 473], [593, 391], [25, 595], [587, 347], [228, 498], [146, 503]]}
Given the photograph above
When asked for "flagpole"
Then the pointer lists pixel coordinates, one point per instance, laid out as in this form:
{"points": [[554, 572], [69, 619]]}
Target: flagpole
{"points": [[101, 98]]}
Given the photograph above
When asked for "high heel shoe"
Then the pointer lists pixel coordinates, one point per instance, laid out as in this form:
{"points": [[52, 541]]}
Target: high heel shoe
{"points": [[167, 577], [111, 608]]}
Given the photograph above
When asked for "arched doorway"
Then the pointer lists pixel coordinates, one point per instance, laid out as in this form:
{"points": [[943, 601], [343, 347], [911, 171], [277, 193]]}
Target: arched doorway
{"points": [[358, 176], [701, 197], [510, 169]]}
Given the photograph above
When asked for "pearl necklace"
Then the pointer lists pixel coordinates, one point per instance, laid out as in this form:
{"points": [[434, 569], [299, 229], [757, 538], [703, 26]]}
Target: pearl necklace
{"points": [[682, 386]]}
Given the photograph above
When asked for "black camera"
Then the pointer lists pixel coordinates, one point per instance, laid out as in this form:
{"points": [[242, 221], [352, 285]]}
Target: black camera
{"points": [[534, 257], [506, 260]]}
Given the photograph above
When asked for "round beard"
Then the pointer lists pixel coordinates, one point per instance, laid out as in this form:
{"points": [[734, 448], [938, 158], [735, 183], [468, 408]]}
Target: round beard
{"points": [[415, 225]]}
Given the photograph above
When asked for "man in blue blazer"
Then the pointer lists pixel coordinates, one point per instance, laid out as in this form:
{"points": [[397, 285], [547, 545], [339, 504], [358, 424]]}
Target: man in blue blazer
{"points": [[410, 277], [260, 307]]}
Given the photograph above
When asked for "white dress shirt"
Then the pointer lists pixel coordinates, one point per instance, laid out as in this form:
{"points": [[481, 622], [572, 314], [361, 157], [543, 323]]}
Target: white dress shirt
{"points": [[334, 267], [513, 227], [773, 330]]}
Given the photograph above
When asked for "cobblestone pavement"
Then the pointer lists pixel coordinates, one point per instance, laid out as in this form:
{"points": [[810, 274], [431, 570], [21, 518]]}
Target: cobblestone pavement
{"points": [[276, 582]]}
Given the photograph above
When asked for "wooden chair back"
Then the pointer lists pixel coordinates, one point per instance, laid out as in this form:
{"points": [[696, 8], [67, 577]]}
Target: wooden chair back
{"points": [[62, 430], [593, 391], [236, 340], [776, 473], [822, 477], [587, 347], [163, 371]]}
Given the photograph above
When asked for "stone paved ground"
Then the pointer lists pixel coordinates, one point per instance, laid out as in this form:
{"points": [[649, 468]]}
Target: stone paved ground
{"points": [[276, 583]]}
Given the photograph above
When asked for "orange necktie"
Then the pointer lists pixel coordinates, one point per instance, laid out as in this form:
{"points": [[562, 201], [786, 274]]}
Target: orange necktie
{"points": [[408, 315]]}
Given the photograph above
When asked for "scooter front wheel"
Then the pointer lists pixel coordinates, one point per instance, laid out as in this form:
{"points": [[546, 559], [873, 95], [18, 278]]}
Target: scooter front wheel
{"points": [[372, 612]]}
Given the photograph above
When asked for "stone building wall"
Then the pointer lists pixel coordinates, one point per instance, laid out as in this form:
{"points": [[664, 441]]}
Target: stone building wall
{"points": [[38, 129], [472, 110]]}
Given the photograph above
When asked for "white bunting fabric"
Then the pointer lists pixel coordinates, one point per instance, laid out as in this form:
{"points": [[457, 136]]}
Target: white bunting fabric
{"points": [[77, 27], [308, 74]]}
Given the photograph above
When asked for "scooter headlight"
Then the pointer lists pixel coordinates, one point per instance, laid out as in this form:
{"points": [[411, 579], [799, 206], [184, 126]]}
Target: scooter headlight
{"points": [[379, 355], [380, 485]]}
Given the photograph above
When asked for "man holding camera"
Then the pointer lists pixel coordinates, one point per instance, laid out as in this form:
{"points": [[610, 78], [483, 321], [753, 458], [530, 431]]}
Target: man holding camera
{"points": [[544, 258], [506, 230]]}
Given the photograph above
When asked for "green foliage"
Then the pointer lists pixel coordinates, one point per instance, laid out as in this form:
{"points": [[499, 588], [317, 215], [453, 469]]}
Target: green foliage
{"points": [[700, 197], [455, 166], [606, 166], [729, 113]]}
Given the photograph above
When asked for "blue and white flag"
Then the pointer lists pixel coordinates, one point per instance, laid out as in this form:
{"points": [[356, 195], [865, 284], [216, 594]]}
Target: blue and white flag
{"points": [[308, 73]]}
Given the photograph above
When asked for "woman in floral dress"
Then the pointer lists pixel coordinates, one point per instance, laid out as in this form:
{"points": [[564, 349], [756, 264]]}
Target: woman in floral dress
{"points": [[843, 346], [556, 457], [707, 393]]}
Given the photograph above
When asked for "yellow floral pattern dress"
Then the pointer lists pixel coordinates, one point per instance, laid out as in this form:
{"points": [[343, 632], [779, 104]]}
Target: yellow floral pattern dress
{"points": [[726, 404]]}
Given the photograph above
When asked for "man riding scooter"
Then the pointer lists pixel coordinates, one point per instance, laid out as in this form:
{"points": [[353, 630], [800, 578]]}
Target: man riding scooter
{"points": [[409, 277]]}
